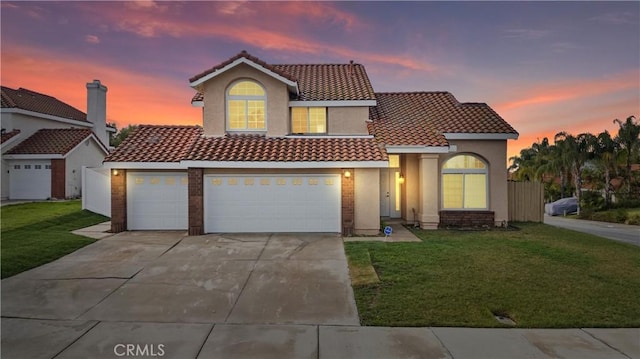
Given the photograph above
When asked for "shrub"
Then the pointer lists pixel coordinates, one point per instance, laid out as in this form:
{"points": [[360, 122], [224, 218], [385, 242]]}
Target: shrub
{"points": [[617, 216], [592, 200], [634, 219]]}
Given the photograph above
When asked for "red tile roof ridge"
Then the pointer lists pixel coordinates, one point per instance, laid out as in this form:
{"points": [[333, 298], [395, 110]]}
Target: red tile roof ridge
{"points": [[246, 55]]}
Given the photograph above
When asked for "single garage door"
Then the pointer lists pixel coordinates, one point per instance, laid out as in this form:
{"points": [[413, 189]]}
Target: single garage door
{"points": [[272, 203], [30, 179], [157, 201]]}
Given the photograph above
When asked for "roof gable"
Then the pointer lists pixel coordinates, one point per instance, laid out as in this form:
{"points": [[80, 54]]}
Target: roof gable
{"points": [[37, 102], [243, 58], [59, 141]]}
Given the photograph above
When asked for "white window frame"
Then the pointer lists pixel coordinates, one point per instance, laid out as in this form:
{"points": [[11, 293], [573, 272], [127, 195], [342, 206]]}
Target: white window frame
{"points": [[463, 172], [245, 98], [326, 120]]}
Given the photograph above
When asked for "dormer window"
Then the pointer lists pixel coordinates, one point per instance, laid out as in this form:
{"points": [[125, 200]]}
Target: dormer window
{"points": [[309, 120], [246, 104]]}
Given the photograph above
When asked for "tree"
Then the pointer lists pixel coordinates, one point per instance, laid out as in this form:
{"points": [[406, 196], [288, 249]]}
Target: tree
{"points": [[628, 139], [605, 153], [119, 137], [576, 151]]}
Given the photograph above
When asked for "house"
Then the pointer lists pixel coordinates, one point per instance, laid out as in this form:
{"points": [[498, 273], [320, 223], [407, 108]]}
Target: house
{"points": [[46, 142], [311, 148]]}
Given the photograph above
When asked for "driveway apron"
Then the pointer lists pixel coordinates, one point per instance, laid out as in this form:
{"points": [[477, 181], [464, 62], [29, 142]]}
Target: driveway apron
{"points": [[136, 283]]}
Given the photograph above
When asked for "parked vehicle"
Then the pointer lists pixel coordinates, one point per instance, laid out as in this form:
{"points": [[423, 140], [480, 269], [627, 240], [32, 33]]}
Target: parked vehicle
{"points": [[562, 206]]}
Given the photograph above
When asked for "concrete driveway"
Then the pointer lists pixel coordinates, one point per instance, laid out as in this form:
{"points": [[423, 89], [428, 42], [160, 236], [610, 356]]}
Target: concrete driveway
{"points": [[159, 283]]}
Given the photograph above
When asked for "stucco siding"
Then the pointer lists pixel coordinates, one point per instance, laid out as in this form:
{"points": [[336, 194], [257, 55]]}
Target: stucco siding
{"points": [[367, 201], [347, 120], [277, 106], [495, 153], [88, 154], [410, 188]]}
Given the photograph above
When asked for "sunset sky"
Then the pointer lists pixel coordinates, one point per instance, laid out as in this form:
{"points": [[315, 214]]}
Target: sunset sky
{"points": [[544, 67]]}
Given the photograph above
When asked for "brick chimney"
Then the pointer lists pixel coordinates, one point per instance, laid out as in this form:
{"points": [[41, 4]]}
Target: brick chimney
{"points": [[97, 109]]}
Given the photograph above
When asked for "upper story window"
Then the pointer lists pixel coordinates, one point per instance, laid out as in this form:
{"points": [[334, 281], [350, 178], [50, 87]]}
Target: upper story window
{"points": [[246, 104], [464, 183], [309, 119]]}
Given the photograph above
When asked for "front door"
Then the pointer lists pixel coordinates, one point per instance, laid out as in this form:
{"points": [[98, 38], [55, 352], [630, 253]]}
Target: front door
{"points": [[390, 192]]}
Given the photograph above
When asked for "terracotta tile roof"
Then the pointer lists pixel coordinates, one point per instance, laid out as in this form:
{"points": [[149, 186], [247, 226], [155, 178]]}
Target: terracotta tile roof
{"points": [[176, 143], [422, 118], [331, 82], [156, 144], [34, 101], [238, 56], [6, 136], [316, 82], [282, 149], [58, 141]]}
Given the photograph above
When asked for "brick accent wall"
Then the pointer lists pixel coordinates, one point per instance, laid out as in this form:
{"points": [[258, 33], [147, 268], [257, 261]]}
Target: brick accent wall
{"points": [[58, 178], [348, 201], [466, 219], [196, 201], [118, 201]]}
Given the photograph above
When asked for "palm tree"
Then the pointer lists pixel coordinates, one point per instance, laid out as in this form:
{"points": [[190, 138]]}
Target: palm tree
{"points": [[555, 164], [576, 151], [605, 151], [628, 139]]}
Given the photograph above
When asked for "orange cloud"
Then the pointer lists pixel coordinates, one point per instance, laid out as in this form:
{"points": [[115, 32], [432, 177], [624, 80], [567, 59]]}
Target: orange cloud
{"points": [[132, 98], [558, 92]]}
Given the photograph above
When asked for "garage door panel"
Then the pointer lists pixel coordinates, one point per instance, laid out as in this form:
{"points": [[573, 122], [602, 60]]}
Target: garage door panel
{"points": [[30, 179], [272, 203], [157, 201]]}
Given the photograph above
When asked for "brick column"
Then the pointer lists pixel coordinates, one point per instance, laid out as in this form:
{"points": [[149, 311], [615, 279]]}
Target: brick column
{"points": [[118, 201], [348, 201], [58, 178], [429, 174], [196, 201]]}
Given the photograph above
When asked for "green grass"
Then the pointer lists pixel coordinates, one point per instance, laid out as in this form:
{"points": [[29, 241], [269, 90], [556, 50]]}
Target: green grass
{"points": [[540, 276], [37, 233]]}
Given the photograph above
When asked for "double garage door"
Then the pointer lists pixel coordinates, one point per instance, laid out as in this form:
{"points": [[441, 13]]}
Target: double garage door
{"points": [[238, 203]]}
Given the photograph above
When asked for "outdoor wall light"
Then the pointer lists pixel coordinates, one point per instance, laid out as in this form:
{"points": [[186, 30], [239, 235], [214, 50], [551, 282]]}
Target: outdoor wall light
{"points": [[401, 178], [115, 172], [347, 174]]}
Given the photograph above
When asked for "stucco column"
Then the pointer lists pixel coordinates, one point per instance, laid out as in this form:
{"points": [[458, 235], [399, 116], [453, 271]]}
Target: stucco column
{"points": [[428, 194]]}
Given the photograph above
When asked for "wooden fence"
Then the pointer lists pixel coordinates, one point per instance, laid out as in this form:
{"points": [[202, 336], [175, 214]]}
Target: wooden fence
{"points": [[526, 201]]}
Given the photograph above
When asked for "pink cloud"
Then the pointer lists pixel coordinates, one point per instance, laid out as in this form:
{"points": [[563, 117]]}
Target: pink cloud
{"points": [[154, 24], [92, 39]]}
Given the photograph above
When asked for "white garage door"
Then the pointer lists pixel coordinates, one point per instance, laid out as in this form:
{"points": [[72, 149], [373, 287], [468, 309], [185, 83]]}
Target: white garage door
{"points": [[272, 203], [157, 201], [30, 179]]}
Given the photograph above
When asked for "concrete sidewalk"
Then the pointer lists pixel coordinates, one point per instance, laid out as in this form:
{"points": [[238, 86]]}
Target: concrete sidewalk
{"points": [[32, 338]]}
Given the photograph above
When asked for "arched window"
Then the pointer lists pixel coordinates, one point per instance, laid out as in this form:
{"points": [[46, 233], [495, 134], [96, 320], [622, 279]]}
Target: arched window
{"points": [[246, 104], [465, 181]]}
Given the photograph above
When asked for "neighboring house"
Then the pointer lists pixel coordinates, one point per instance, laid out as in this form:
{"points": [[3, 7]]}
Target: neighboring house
{"points": [[311, 148], [46, 142]]}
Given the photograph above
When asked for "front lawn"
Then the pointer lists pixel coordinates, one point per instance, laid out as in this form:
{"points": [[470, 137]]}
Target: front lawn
{"points": [[539, 276], [37, 233]]}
